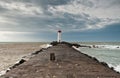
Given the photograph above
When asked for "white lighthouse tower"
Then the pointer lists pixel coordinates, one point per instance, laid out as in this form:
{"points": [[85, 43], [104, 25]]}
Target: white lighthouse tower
{"points": [[59, 36]]}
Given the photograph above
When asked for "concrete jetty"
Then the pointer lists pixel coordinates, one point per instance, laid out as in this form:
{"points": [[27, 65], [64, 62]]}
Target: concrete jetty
{"points": [[61, 61]]}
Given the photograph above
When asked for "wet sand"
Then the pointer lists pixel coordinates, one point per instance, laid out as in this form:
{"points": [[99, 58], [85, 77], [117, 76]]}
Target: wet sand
{"points": [[10, 53]]}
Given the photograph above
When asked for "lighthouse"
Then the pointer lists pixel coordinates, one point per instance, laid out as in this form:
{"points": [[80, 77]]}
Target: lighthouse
{"points": [[59, 36]]}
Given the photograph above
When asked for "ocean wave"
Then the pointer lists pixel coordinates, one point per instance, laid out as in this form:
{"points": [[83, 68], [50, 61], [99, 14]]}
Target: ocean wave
{"points": [[2, 72], [45, 45], [105, 46], [27, 57], [109, 46], [116, 67]]}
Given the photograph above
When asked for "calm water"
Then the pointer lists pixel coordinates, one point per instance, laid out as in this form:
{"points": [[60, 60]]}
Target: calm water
{"points": [[108, 52]]}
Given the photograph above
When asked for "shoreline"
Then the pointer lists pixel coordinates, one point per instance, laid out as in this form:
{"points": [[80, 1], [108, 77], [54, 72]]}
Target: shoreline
{"points": [[95, 59], [42, 49], [91, 66], [12, 53]]}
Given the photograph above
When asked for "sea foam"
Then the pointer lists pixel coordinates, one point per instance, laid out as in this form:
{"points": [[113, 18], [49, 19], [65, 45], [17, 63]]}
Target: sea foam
{"points": [[45, 45], [2, 72], [116, 67], [105, 46], [41, 46], [109, 46]]}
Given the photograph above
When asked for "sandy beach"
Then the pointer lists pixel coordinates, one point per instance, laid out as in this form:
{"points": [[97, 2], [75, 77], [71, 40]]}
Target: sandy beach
{"points": [[10, 53]]}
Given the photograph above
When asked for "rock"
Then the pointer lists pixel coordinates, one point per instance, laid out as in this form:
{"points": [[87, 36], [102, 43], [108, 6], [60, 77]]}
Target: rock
{"points": [[17, 64]]}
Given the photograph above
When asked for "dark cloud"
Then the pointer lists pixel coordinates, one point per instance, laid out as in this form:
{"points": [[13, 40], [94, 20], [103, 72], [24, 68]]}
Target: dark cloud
{"points": [[85, 2], [45, 3], [54, 2], [47, 20], [36, 18], [3, 10], [115, 2]]}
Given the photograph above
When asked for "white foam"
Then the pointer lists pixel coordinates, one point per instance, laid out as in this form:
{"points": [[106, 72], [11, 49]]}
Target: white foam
{"points": [[117, 68], [45, 45], [78, 49], [106, 46], [2, 72], [110, 65], [109, 46]]}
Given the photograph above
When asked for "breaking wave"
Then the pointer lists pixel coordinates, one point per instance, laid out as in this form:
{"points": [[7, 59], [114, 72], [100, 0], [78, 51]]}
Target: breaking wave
{"points": [[105, 46], [116, 67]]}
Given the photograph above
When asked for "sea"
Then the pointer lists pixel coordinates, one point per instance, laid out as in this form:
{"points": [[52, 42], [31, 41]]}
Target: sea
{"points": [[108, 52]]}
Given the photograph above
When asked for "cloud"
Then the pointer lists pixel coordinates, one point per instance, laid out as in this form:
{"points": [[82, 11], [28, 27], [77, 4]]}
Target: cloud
{"points": [[7, 36], [38, 16], [91, 14], [91, 7], [21, 8], [7, 21], [10, 36], [22, 20]]}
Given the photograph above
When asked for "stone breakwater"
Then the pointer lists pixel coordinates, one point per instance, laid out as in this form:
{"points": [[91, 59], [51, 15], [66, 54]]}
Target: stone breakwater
{"points": [[61, 61]]}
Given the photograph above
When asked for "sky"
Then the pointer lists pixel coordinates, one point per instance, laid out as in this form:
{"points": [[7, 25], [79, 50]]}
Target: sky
{"points": [[79, 20]]}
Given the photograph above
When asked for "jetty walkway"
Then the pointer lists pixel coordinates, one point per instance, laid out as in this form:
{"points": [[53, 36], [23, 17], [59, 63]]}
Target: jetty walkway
{"points": [[61, 61]]}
